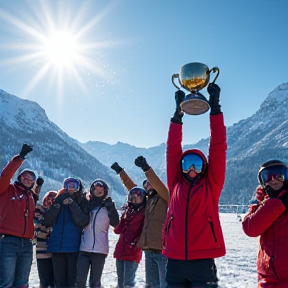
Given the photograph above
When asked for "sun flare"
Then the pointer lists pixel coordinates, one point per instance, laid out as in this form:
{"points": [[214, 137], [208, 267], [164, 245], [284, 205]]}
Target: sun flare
{"points": [[61, 49], [57, 49]]}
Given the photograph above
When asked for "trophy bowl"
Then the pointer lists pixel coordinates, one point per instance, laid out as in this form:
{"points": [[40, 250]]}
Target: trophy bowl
{"points": [[194, 77]]}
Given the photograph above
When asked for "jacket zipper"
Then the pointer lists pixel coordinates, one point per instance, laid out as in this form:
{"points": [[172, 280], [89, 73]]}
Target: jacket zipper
{"points": [[186, 223], [186, 218], [61, 237], [93, 227], [212, 229], [26, 213]]}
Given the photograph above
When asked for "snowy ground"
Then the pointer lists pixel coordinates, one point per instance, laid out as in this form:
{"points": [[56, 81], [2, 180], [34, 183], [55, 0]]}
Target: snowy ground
{"points": [[236, 270]]}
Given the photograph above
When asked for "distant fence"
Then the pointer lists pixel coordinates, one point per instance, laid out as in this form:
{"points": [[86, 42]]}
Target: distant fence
{"points": [[238, 209]]}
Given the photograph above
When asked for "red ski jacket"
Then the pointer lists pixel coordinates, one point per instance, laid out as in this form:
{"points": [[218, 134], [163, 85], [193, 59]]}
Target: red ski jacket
{"points": [[269, 220], [129, 228], [192, 229], [17, 205]]}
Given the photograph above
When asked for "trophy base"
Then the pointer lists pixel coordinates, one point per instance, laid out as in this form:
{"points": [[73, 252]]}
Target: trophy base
{"points": [[195, 104]]}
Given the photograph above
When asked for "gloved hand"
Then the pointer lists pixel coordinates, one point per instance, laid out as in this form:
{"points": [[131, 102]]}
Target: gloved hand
{"points": [[214, 92], [108, 203], [116, 167], [142, 163], [284, 199], [67, 201], [40, 181], [25, 150], [178, 114], [60, 199]]}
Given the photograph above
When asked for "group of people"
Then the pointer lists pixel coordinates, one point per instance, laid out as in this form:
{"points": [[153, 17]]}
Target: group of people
{"points": [[177, 225]]}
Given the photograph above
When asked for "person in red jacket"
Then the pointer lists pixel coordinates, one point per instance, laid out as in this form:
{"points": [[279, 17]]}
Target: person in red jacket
{"points": [[17, 206], [269, 220], [127, 252], [192, 232]]}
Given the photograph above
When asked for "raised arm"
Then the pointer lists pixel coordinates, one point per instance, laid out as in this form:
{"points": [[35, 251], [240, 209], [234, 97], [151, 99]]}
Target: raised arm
{"points": [[153, 179], [218, 143], [126, 180], [174, 143]]}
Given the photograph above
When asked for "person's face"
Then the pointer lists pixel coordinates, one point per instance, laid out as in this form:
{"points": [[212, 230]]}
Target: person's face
{"points": [[275, 183], [147, 186], [135, 199], [192, 174], [72, 187], [98, 191], [50, 199], [27, 179]]}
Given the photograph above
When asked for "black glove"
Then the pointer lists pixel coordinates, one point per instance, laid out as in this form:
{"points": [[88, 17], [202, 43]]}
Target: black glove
{"points": [[108, 203], [116, 167], [25, 150], [60, 199], [142, 163], [284, 199], [39, 181], [178, 114], [214, 92]]}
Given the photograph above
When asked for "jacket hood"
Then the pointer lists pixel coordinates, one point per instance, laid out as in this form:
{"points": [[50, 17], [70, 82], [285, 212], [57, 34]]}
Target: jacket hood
{"points": [[46, 196]]}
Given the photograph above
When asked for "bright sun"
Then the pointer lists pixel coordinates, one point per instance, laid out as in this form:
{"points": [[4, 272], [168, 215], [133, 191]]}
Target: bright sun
{"points": [[57, 49], [61, 49]]}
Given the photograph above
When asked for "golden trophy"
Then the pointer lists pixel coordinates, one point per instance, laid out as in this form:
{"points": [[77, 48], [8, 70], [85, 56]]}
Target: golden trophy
{"points": [[194, 77]]}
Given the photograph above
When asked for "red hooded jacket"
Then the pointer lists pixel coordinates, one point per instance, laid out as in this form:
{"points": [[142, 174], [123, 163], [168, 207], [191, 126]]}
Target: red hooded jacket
{"points": [[17, 205], [269, 220], [129, 228], [192, 229]]}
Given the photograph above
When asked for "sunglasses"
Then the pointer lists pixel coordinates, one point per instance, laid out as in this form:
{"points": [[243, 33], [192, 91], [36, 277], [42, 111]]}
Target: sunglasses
{"points": [[273, 173], [192, 162]]}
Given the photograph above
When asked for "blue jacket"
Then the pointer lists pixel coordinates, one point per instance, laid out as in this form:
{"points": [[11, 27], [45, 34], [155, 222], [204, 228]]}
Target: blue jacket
{"points": [[68, 222], [66, 236]]}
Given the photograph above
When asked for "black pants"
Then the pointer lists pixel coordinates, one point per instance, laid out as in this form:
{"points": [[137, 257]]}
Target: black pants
{"points": [[200, 273], [64, 265], [45, 272], [94, 261]]}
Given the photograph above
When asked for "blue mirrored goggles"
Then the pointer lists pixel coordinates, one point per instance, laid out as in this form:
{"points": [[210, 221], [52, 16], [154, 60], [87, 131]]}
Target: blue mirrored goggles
{"points": [[192, 162], [273, 173], [72, 184]]}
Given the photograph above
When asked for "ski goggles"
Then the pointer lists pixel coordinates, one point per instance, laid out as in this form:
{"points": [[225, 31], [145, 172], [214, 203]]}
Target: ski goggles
{"points": [[273, 173], [72, 184], [192, 162]]}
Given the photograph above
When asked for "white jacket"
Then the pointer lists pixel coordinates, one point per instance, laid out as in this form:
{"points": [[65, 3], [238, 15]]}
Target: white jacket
{"points": [[95, 234]]}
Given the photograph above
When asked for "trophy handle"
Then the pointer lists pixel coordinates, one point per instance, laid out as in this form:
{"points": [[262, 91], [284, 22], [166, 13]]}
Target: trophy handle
{"points": [[214, 69], [173, 77]]}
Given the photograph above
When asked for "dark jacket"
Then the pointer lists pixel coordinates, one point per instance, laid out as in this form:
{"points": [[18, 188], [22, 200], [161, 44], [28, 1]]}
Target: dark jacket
{"points": [[68, 222], [17, 204], [192, 228]]}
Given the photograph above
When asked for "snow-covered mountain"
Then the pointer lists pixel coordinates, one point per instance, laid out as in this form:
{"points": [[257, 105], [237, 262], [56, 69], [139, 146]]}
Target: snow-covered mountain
{"points": [[251, 141], [55, 155]]}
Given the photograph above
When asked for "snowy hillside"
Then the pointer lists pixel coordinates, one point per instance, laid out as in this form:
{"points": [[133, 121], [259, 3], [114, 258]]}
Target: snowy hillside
{"points": [[251, 141], [55, 155]]}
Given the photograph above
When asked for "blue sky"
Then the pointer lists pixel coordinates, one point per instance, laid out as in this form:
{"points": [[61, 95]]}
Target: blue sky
{"points": [[115, 83]]}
